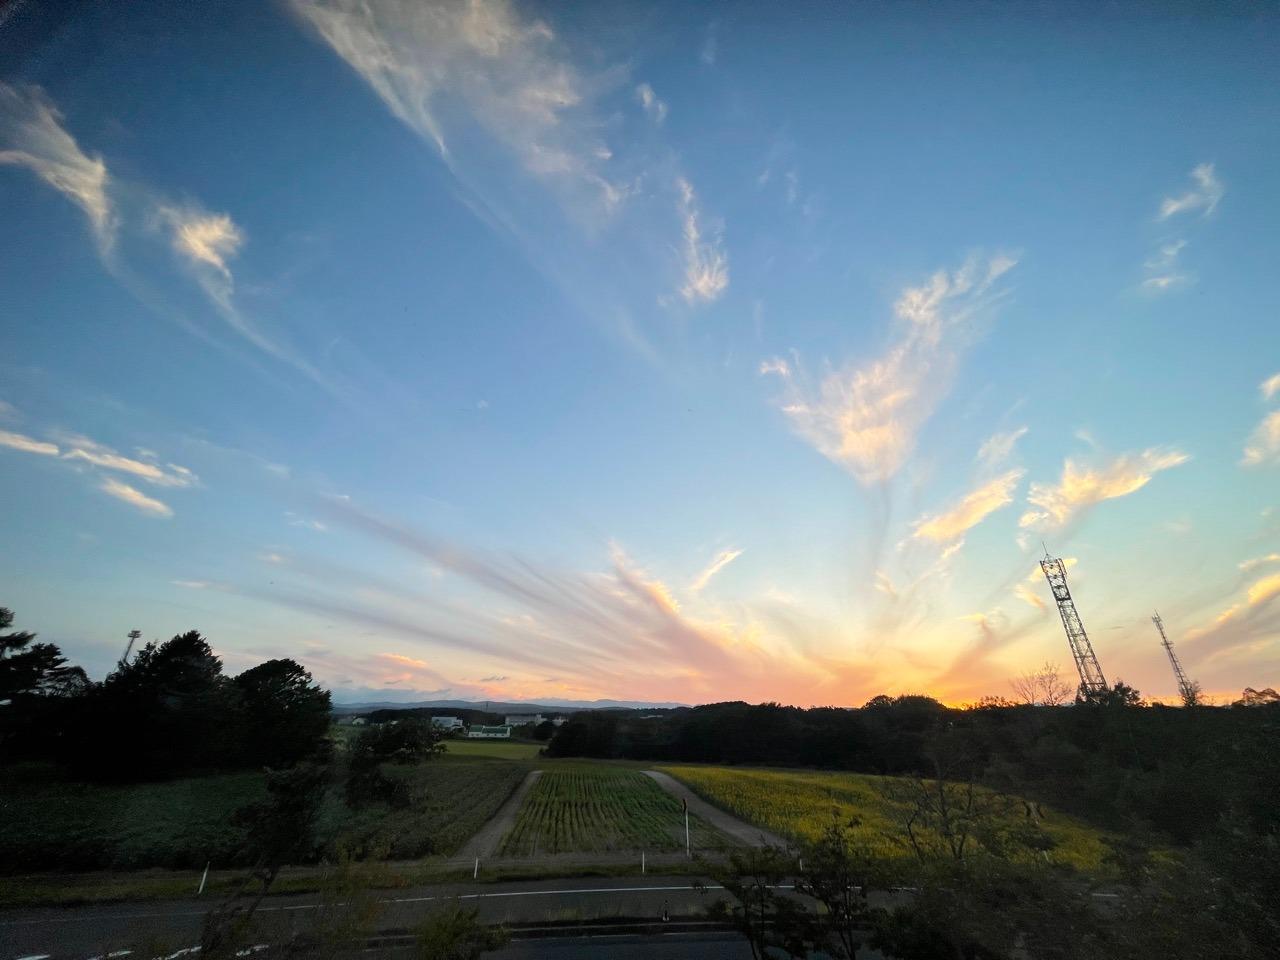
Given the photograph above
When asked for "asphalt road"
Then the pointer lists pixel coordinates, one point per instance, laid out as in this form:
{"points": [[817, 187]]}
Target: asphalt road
{"points": [[162, 928]]}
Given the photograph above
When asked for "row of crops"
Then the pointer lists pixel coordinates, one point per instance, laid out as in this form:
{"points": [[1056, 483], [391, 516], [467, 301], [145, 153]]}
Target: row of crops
{"points": [[801, 804], [597, 810]]}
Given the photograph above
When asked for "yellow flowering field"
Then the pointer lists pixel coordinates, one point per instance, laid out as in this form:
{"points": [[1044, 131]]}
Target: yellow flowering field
{"points": [[800, 804]]}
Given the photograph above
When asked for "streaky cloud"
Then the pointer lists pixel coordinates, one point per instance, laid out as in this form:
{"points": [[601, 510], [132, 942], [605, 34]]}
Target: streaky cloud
{"points": [[1083, 486], [32, 135], [135, 498], [1204, 196], [975, 507], [865, 415], [722, 560]]}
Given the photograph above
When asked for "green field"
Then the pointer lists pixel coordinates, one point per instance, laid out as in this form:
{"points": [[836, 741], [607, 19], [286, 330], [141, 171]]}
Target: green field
{"points": [[53, 824], [799, 804], [590, 809], [497, 749]]}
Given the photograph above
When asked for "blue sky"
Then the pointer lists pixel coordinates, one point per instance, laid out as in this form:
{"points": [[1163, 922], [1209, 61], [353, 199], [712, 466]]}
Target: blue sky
{"points": [[687, 352]]}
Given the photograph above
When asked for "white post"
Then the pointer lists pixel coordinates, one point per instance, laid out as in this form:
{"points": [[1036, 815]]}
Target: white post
{"points": [[476, 872], [204, 878], [642, 861]]}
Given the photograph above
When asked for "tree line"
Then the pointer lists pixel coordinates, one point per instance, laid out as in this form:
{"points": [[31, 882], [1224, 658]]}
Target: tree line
{"points": [[168, 711], [1177, 771]]}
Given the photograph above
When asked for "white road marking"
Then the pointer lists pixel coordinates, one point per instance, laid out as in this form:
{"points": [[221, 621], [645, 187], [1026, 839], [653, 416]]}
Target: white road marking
{"points": [[315, 906]]}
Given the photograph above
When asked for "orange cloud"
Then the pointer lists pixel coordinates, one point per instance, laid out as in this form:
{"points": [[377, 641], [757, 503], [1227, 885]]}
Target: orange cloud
{"points": [[1082, 487], [975, 507]]}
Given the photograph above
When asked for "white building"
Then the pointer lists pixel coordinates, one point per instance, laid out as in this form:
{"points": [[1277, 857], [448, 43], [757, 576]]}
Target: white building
{"points": [[446, 723], [489, 733], [522, 719]]}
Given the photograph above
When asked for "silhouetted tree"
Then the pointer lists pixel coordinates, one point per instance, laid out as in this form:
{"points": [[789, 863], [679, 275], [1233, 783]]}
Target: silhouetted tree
{"points": [[168, 711], [38, 669], [286, 715]]}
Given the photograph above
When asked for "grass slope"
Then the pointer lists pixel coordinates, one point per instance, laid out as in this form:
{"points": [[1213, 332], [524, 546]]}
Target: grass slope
{"points": [[590, 809], [799, 804]]}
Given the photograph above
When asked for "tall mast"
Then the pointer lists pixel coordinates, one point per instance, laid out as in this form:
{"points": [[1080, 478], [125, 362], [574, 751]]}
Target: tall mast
{"points": [[1091, 679], [1189, 690]]}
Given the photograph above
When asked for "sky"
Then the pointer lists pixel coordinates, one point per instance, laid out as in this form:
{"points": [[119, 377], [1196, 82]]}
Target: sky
{"points": [[681, 353]]}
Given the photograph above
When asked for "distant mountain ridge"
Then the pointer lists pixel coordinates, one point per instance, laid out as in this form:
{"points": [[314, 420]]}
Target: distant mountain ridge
{"points": [[504, 706]]}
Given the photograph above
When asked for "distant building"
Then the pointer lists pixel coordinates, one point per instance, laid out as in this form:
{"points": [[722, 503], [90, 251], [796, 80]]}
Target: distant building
{"points": [[358, 722], [489, 733], [446, 723], [558, 721], [523, 719]]}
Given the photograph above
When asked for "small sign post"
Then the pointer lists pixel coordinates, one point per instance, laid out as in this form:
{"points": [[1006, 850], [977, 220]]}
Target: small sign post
{"points": [[688, 850]]}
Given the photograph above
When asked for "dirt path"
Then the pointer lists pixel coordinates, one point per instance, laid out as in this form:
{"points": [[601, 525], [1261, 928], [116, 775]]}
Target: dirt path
{"points": [[485, 843], [740, 830]]}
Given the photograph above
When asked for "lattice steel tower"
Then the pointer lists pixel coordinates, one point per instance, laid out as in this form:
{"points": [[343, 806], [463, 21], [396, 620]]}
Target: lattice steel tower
{"points": [[1188, 689], [1091, 679]]}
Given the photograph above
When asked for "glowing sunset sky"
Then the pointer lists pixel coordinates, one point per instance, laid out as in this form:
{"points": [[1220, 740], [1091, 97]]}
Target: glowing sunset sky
{"points": [[673, 353]]}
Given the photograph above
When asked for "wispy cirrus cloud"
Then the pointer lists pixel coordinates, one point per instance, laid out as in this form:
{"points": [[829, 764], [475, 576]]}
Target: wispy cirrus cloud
{"points": [[206, 239], [32, 135], [20, 441], [865, 415], [526, 128], [1270, 386], [1204, 196], [80, 448], [507, 71], [1263, 445], [1250, 624], [706, 264], [998, 447], [1163, 271], [1083, 486], [1255, 562], [721, 560], [135, 498], [654, 108], [78, 451], [615, 629], [206, 243], [970, 511]]}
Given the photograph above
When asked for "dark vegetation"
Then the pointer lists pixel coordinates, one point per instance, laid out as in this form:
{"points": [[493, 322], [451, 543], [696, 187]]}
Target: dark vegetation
{"points": [[168, 712], [1176, 771], [170, 763], [1191, 791]]}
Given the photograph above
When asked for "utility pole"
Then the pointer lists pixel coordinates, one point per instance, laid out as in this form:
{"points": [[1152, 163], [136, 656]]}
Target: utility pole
{"points": [[1189, 690], [1091, 679]]}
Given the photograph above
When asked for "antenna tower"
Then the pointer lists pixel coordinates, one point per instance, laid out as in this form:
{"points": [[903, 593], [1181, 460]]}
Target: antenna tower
{"points": [[1091, 679], [133, 638], [1188, 689]]}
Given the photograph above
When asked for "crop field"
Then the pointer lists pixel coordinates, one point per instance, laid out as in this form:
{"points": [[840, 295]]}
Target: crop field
{"points": [[800, 804], [454, 799], [493, 749], [57, 824], [594, 810]]}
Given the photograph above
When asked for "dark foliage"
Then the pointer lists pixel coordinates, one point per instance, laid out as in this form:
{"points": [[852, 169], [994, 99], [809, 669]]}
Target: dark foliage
{"points": [[399, 742], [285, 714], [168, 712]]}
